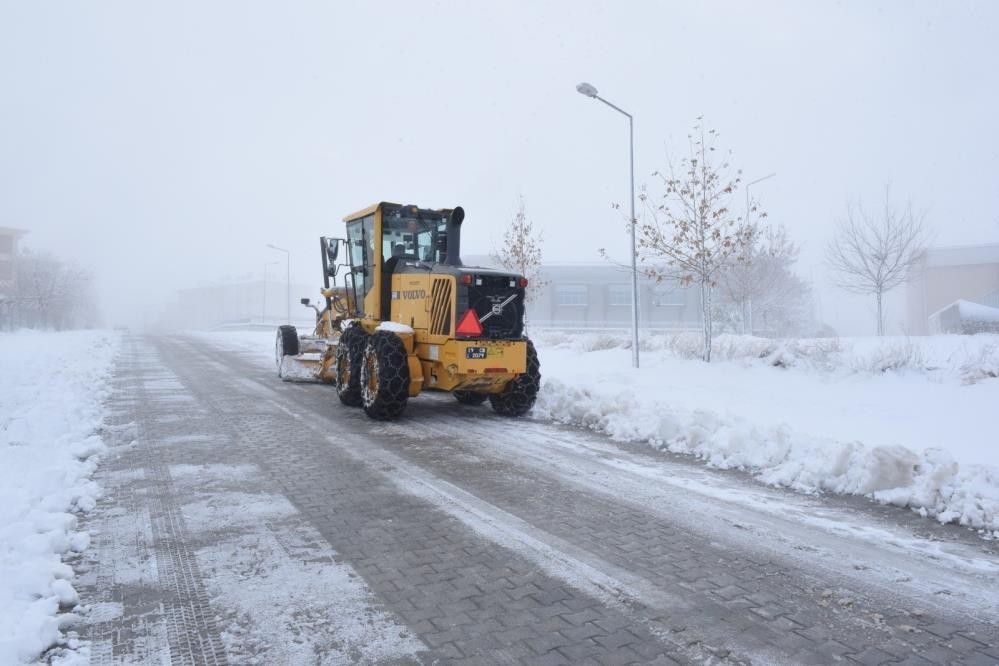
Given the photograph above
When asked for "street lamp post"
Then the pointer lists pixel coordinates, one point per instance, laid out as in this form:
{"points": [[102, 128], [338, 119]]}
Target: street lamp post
{"points": [[287, 255], [263, 314], [748, 315], [590, 91]]}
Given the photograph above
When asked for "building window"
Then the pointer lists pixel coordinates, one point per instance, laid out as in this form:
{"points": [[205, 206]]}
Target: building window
{"points": [[571, 294], [669, 298], [619, 294]]}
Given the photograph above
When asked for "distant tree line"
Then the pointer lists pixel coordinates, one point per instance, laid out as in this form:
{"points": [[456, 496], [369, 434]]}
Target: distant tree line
{"points": [[692, 232], [48, 293], [760, 294]]}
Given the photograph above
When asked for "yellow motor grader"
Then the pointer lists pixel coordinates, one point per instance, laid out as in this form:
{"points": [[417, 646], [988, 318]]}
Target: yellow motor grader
{"points": [[409, 316]]}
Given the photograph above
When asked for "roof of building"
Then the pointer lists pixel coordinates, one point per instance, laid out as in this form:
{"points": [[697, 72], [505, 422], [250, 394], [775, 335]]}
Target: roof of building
{"points": [[12, 232], [963, 255]]}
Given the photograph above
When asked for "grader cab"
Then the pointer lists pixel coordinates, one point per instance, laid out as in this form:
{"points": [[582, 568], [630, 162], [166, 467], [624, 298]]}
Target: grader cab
{"points": [[409, 317]]}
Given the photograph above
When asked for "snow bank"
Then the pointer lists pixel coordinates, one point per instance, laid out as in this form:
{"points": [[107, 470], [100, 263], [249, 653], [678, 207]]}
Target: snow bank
{"points": [[51, 393], [895, 420], [938, 357]]}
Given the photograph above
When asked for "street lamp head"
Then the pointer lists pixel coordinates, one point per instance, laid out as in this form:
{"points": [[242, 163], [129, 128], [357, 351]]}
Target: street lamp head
{"points": [[586, 89]]}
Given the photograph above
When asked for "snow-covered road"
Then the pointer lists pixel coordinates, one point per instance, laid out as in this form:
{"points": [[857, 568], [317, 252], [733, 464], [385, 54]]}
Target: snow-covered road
{"points": [[249, 520]]}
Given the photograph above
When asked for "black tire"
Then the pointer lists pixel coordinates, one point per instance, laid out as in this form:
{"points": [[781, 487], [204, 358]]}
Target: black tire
{"points": [[285, 345], [519, 394], [384, 376], [470, 397], [347, 374]]}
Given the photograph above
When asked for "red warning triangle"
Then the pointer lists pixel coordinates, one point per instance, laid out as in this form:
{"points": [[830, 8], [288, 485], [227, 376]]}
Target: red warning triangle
{"points": [[469, 324]]}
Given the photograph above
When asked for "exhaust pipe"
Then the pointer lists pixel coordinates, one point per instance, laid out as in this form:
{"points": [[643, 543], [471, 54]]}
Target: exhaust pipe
{"points": [[454, 237]]}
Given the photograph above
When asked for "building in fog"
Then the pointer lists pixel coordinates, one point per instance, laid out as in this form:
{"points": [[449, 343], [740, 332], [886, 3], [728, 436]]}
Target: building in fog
{"points": [[8, 253], [575, 296], [599, 296], [950, 274], [247, 301], [8, 270]]}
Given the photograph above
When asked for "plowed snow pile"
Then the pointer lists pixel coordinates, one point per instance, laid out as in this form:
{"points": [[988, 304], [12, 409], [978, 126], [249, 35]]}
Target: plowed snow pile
{"points": [[906, 421], [51, 390]]}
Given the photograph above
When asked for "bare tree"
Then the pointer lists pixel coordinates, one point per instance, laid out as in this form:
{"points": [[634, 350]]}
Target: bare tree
{"points": [[874, 254], [689, 233], [521, 250], [762, 288], [50, 293]]}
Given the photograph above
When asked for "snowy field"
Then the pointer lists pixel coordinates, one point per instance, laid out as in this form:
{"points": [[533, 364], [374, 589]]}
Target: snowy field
{"points": [[906, 421], [51, 390]]}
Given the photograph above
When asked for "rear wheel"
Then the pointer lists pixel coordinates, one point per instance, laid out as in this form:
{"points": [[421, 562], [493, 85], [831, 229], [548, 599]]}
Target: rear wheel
{"points": [[349, 353], [285, 345], [519, 394], [470, 397], [384, 376]]}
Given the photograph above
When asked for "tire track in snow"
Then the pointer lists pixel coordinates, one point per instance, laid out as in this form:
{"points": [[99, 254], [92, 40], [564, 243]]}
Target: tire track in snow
{"points": [[768, 522]]}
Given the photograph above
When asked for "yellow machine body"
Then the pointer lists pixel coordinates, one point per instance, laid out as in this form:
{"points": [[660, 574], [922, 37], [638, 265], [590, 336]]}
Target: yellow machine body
{"points": [[409, 316], [425, 302]]}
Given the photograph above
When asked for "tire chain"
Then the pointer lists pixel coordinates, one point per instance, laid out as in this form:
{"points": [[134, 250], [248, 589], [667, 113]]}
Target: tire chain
{"points": [[386, 354], [519, 395], [350, 350]]}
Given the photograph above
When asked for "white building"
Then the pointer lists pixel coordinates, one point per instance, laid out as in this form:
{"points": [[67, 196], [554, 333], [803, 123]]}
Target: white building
{"points": [[248, 301], [600, 296], [947, 275]]}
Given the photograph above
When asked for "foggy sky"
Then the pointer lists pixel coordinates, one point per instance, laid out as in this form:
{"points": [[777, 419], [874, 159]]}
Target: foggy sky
{"points": [[165, 144]]}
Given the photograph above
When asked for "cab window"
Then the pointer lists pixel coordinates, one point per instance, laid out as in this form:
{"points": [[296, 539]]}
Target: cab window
{"points": [[409, 237], [360, 239]]}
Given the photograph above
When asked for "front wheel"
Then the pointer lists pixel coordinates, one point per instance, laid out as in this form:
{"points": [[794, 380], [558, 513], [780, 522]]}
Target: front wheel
{"points": [[384, 376], [519, 394], [347, 375]]}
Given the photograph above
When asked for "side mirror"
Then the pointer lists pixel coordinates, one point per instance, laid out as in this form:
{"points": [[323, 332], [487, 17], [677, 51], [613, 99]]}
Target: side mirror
{"points": [[332, 249]]}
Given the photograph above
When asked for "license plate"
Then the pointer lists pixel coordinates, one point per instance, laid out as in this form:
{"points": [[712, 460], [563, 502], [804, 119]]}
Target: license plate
{"points": [[475, 352]]}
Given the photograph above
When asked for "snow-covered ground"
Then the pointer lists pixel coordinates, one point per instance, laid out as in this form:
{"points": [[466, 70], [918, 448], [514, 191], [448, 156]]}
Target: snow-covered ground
{"points": [[908, 421], [905, 421], [51, 390]]}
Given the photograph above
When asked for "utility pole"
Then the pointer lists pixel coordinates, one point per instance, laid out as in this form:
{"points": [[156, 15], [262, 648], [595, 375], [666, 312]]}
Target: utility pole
{"points": [[287, 255], [263, 314], [590, 91]]}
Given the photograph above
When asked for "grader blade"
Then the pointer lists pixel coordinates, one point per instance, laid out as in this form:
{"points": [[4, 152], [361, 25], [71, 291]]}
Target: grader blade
{"points": [[302, 368], [305, 358]]}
